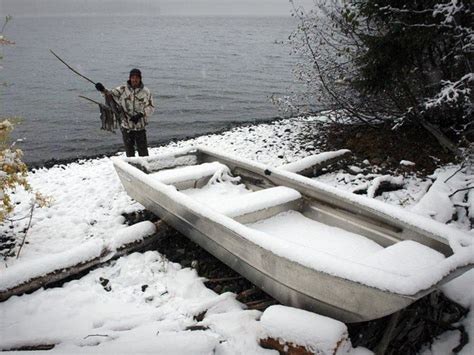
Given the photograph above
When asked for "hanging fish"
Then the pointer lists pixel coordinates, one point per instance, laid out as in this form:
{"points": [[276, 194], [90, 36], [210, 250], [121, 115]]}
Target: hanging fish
{"points": [[109, 119]]}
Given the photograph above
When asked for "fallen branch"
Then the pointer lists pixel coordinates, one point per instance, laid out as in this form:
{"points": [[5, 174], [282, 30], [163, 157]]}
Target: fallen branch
{"points": [[27, 229], [459, 190], [457, 171], [36, 347], [262, 305], [383, 184], [224, 279], [379, 185], [247, 293], [444, 141]]}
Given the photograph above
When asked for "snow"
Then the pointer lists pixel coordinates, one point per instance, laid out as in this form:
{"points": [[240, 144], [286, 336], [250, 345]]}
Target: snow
{"points": [[170, 159], [314, 160], [393, 180], [218, 195], [23, 272], [297, 326], [193, 172], [436, 203], [88, 202], [404, 257], [132, 234], [235, 200], [293, 228], [407, 163], [82, 317]]}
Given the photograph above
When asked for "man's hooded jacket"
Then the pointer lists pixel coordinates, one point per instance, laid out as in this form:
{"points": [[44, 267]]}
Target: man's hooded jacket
{"points": [[134, 101]]}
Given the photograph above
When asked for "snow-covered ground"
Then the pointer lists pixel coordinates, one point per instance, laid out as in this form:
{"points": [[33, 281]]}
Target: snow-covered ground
{"points": [[144, 303]]}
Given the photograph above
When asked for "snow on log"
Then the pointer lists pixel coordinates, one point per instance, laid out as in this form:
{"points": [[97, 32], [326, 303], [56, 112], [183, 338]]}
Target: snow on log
{"points": [[295, 331], [310, 165], [31, 275], [379, 185], [384, 183], [436, 203]]}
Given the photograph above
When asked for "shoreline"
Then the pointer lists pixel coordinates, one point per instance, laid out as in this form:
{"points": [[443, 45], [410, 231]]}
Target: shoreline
{"points": [[49, 163]]}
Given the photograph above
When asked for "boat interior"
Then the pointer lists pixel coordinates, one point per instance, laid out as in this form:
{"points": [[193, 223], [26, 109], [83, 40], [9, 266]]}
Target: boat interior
{"points": [[284, 208]]}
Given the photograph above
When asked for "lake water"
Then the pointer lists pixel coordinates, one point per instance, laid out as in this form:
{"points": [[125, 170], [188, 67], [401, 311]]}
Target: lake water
{"points": [[206, 74]]}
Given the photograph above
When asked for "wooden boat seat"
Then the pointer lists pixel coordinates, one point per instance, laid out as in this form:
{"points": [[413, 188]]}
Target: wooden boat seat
{"points": [[249, 208]]}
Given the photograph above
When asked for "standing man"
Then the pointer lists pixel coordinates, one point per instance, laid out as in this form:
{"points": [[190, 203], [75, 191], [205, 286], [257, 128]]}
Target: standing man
{"points": [[137, 103]]}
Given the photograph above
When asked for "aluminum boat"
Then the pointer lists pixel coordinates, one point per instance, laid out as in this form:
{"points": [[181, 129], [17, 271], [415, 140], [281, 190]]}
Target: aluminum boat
{"points": [[290, 267]]}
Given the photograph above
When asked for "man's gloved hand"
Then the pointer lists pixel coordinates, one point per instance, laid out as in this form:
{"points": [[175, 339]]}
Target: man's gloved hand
{"points": [[136, 118], [100, 87]]}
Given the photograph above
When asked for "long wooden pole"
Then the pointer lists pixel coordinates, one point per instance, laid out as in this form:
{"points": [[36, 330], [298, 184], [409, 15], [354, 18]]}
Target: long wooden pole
{"points": [[71, 68], [89, 80]]}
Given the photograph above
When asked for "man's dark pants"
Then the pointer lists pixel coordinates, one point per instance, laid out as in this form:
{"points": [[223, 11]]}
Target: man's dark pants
{"points": [[135, 138]]}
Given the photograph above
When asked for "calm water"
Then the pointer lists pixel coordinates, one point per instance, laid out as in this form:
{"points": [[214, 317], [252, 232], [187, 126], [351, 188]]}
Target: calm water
{"points": [[206, 74]]}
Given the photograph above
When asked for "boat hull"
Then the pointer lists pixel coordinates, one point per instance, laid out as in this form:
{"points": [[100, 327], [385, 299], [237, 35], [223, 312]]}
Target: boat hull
{"points": [[290, 283]]}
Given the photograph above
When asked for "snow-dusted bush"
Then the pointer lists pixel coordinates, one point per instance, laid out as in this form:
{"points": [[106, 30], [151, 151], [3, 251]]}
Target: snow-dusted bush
{"points": [[389, 60], [13, 171]]}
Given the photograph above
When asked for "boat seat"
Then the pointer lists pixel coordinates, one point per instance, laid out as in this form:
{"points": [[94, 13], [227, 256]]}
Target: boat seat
{"points": [[404, 258], [249, 208], [188, 176]]}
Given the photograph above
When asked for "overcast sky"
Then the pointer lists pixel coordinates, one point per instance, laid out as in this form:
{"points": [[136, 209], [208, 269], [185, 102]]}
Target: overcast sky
{"points": [[148, 7]]}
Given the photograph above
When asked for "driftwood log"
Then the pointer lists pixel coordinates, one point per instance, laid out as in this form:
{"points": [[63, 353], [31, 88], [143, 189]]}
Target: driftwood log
{"points": [[59, 275]]}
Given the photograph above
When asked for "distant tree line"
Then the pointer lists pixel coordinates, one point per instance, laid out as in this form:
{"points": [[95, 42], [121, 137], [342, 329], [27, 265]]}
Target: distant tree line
{"points": [[394, 61]]}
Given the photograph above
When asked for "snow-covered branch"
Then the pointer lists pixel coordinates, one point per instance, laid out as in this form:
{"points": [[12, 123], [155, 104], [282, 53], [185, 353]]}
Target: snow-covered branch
{"points": [[452, 92]]}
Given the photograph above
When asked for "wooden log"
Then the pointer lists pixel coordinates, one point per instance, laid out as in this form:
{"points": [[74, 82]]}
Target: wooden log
{"points": [[284, 348], [55, 276], [442, 139], [313, 165], [297, 332]]}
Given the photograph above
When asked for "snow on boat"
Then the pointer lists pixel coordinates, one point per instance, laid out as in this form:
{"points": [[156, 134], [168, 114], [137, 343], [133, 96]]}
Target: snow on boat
{"points": [[307, 244]]}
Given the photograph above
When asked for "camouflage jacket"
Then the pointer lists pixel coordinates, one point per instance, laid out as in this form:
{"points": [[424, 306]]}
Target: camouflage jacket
{"points": [[134, 101]]}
